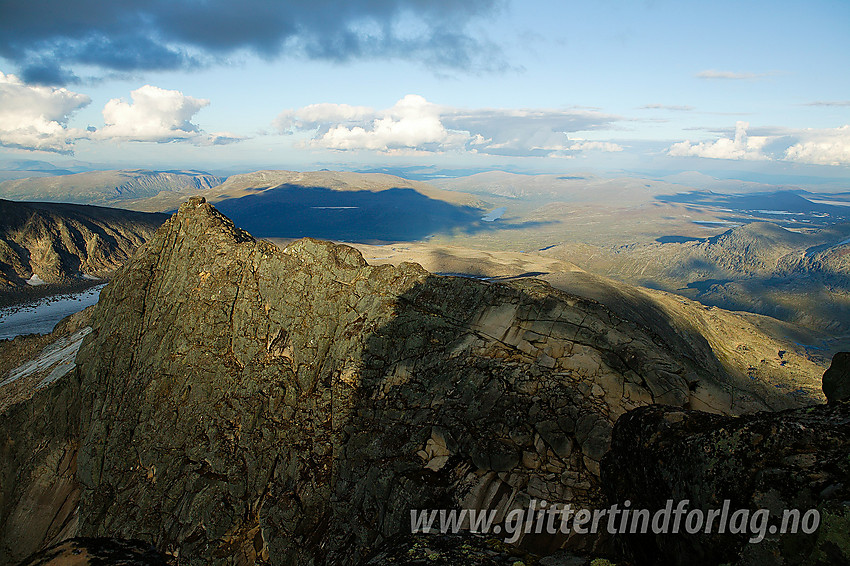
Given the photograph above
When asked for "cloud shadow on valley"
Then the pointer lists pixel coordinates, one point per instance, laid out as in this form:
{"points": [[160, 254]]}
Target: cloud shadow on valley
{"points": [[392, 215]]}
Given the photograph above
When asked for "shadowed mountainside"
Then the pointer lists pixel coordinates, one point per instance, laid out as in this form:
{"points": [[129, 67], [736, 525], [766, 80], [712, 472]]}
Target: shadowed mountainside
{"points": [[393, 214], [343, 206], [58, 243], [268, 181]]}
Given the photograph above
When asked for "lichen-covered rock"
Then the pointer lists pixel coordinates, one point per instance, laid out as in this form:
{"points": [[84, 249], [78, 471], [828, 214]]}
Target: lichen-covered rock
{"points": [[792, 460], [836, 379]]}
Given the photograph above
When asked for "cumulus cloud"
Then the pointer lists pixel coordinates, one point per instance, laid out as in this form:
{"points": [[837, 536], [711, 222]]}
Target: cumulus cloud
{"points": [[730, 75], [36, 117], [813, 146], [315, 115], [741, 146], [413, 125], [126, 35], [824, 147], [156, 115]]}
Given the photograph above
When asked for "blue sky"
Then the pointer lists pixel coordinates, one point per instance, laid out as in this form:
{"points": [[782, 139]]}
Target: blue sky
{"points": [[530, 86]]}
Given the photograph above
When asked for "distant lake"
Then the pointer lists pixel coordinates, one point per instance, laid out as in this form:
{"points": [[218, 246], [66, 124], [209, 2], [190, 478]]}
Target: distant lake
{"points": [[41, 316], [494, 215]]}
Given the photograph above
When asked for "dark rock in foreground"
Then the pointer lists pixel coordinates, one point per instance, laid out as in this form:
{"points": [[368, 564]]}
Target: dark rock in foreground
{"points": [[836, 380], [448, 550], [796, 459], [98, 552]]}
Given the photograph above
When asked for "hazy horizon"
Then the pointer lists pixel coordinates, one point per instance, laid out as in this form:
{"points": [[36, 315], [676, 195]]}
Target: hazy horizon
{"points": [[657, 88]]}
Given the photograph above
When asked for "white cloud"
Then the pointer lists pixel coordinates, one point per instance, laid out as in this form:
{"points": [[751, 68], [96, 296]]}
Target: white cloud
{"points": [[595, 146], [674, 108], [157, 115], [412, 124], [824, 147], [313, 116], [36, 117], [741, 147], [829, 146], [415, 125], [731, 75]]}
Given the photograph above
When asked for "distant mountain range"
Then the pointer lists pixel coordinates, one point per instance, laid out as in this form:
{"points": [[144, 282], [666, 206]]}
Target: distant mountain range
{"points": [[108, 188], [800, 277]]}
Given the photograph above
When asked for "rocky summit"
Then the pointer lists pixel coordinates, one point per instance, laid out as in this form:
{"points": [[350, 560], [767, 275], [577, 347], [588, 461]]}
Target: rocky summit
{"points": [[239, 403]]}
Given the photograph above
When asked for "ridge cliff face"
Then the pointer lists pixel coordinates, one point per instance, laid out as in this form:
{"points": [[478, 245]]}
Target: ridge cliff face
{"points": [[243, 403]]}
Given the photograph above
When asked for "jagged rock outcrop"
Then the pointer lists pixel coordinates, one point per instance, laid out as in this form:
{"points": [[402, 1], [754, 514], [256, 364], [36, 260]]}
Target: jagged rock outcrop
{"points": [[243, 400], [53, 243], [836, 379], [792, 460], [241, 403]]}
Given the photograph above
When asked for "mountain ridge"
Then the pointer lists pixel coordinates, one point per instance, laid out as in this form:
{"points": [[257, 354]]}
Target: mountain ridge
{"points": [[107, 188], [290, 405]]}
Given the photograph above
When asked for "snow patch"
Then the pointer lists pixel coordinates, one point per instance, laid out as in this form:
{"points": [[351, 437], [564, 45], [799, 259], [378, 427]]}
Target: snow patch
{"points": [[35, 280], [60, 354]]}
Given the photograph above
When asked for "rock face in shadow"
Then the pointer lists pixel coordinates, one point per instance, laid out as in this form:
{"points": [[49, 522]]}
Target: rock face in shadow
{"points": [[240, 403], [836, 380], [792, 460], [39, 491], [39, 440], [60, 242], [99, 551]]}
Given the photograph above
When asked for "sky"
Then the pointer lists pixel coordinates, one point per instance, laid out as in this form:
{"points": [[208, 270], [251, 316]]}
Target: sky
{"points": [[723, 87]]}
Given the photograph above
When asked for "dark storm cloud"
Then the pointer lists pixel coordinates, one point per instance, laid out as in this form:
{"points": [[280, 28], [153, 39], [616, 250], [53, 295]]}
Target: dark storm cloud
{"points": [[48, 37], [48, 73]]}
